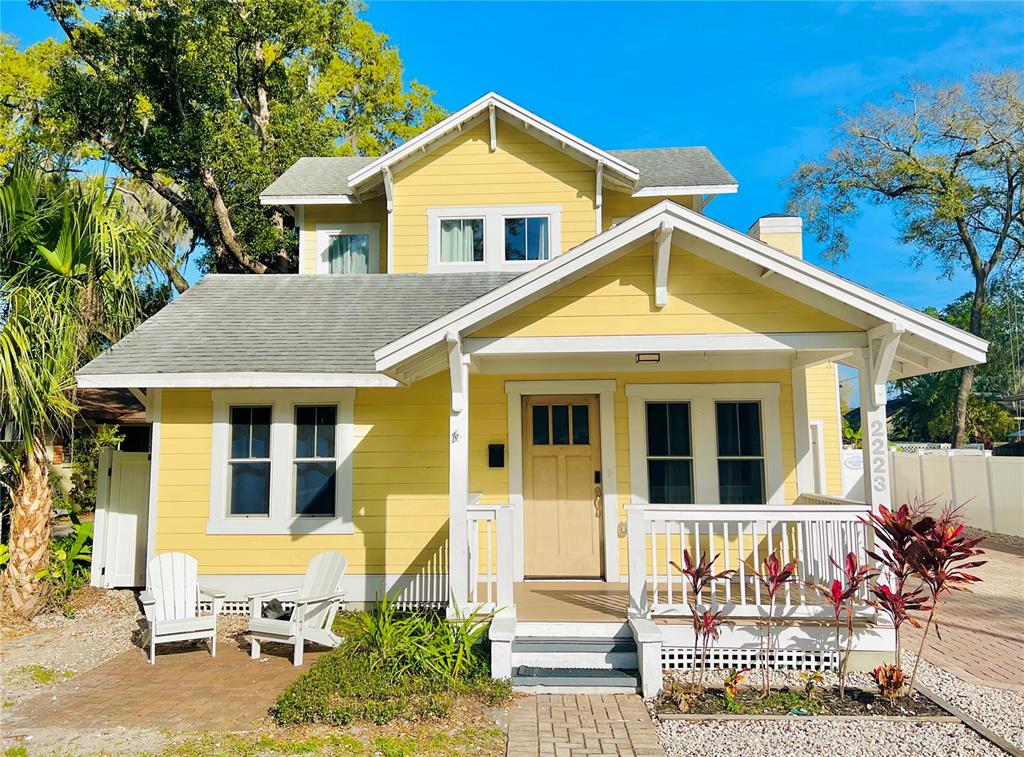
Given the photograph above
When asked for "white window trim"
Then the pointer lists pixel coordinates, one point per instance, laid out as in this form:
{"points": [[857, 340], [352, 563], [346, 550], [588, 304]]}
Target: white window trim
{"points": [[494, 236], [324, 232], [702, 398], [282, 519]]}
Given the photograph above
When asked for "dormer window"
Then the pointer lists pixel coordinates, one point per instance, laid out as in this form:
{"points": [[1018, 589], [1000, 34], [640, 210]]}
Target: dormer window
{"points": [[348, 248], [492, 238]]}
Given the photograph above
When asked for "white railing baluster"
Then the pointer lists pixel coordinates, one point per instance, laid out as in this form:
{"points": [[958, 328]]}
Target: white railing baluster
{"points": [[788, 557], [682, 549], [654, 563], [668, 559], [726, 549], [743, 563]]}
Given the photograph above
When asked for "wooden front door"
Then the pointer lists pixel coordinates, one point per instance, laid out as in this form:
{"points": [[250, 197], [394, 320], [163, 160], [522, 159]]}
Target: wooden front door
{"points": [[561, 487]]}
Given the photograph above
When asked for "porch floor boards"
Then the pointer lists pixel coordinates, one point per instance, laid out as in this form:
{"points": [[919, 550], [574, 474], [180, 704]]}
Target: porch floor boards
{"points": [[572, 601]]}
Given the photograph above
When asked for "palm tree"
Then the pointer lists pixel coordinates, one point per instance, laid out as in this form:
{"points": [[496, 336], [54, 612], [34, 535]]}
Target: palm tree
{"points": [[73, 259]]}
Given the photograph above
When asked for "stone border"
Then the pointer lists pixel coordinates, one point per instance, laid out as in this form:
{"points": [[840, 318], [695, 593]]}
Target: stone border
{"points": [[814, 718]]}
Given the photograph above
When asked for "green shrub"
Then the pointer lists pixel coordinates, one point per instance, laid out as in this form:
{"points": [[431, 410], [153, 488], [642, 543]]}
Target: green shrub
{"points": [[394, 665]]}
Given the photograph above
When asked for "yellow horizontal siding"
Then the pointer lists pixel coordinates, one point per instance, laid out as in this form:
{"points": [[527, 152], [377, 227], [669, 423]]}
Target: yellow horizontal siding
{"points": [[823, 405], [621, 205], [464, 172], [399, 492], [369, 211], [703, 298]]}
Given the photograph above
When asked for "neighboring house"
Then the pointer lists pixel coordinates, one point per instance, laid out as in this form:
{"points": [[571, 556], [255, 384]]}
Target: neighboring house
{"points": [[510, 355]]}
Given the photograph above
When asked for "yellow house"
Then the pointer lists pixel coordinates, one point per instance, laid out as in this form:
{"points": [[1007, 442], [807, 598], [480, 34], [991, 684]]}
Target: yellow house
{"points": [[520, 371]]}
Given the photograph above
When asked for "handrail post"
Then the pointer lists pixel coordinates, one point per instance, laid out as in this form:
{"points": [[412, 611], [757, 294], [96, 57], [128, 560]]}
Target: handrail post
{"points": [[504, 569], [638, 604]]}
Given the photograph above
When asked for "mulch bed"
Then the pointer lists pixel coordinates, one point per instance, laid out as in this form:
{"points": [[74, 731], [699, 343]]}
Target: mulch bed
{"points": [[785, 701]]}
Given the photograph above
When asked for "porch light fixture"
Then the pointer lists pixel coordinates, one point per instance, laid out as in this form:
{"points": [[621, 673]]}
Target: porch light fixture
{"points": [[648, 357]]}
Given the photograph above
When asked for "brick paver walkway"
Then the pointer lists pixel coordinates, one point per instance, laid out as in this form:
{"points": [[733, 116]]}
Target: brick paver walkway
{"points": [[982, 631], [186, 690], [554, 725]]}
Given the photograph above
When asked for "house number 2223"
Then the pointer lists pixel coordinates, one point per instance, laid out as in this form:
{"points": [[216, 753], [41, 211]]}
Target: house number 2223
{"points": [[879, 479]]}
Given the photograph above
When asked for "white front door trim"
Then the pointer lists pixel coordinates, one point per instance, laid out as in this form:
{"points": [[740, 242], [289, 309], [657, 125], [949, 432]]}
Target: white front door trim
{"points": [[605, 391]]}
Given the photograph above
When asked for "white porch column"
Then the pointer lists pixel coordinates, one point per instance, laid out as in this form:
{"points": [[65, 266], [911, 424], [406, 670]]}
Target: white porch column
{"points": [[458, 475], [874, 431]]}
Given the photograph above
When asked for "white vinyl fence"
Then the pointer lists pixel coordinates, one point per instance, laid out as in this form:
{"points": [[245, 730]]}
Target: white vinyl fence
{"points": [[989, 489]]}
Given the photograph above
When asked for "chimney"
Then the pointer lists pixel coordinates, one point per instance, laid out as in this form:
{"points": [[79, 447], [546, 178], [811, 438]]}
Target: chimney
{"points": [[782, 232]]}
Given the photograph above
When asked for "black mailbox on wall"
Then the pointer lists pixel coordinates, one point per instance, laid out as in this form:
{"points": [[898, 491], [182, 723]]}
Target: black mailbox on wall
{"points": [[495, 455]]}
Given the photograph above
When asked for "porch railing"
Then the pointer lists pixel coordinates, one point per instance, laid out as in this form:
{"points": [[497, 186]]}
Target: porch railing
{"points": [[741, 536], [490, 557]]}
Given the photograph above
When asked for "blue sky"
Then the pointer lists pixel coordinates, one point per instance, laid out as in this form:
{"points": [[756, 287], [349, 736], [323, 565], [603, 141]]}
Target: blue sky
{"points": [[760, 84]]}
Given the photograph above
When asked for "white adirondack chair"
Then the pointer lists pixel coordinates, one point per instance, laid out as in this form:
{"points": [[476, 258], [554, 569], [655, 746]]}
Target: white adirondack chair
{"points": [[171, 603], [316, 604]]}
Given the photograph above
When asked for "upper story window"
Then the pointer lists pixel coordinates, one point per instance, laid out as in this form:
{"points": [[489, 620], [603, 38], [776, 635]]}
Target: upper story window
{"points": [[348, 248], [462, 240], [527, 238], [492, 238]]}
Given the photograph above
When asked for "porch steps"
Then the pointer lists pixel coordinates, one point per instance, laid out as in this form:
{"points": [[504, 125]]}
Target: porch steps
{"points": [[578, 660]]}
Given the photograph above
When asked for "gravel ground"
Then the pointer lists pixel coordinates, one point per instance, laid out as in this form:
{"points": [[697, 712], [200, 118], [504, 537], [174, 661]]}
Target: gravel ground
{"points": [[1002, 711], [787, 738]]}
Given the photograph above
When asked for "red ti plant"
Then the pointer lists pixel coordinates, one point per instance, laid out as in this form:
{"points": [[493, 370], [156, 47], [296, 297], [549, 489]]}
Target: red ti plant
{"points": [[896, 531], [940, 556], [707, 627], [698, 575], [840, 596], [773, 577], [898, 605]]}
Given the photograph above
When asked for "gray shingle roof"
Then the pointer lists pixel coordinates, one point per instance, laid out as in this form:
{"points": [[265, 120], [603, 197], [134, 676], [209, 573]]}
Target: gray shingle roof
{"points": [[676, 167], [659, 167], [316, 176], [288, 323]]}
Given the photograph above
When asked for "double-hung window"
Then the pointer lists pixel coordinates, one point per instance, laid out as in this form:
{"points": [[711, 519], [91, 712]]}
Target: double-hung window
{"points": [[316, 465], [669, 453], [281, 461], [705, 444], [740, 453], [492, 238], [249, 461]]}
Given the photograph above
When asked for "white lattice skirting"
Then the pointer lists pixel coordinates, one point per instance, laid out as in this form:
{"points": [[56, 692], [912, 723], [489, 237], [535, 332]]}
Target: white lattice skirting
{"points": [[683, 658]]}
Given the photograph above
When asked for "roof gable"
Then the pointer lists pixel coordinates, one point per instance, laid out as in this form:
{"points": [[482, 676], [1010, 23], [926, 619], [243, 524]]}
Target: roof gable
{"points": [[491, 106]]}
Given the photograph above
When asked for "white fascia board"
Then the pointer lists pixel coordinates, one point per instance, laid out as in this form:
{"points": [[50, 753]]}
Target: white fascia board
{"points": [[802, 272], [246, 380], [668, 343], [420, 142], [596, 250], [693, 189], [309, 200]]}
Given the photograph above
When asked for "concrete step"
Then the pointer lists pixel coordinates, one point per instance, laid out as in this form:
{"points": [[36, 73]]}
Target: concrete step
{"points": [[525, 676], [573, 644]]}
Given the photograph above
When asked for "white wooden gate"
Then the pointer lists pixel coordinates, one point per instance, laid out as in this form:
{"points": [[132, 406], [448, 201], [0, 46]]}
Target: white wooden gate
{"points": [[122, 514]]}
